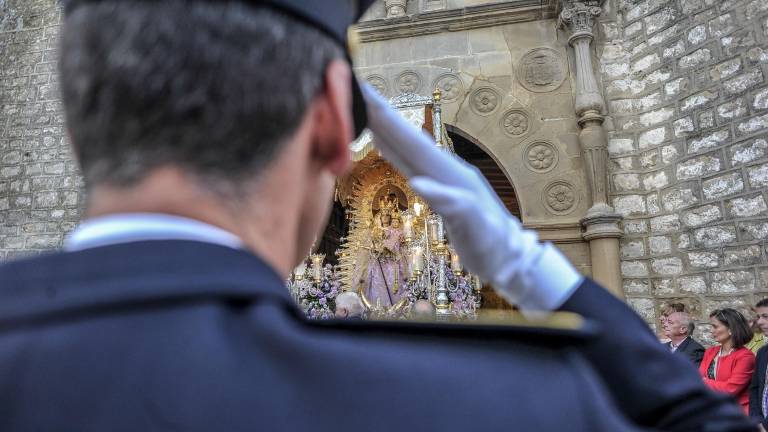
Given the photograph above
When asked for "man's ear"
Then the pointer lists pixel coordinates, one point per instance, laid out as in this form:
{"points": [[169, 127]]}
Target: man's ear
{"points": [[333, 118]]}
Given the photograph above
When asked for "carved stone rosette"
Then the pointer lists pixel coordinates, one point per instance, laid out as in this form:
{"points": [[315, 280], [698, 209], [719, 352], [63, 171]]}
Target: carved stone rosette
{"points": [[516, 123], [560, 197], [379, 83], [450, 86], [484, 101], [540, 157], [601, 222], [408, 82]]}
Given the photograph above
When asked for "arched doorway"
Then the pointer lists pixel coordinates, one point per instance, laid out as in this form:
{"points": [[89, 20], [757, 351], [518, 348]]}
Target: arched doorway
{"points": [[465, 147]]}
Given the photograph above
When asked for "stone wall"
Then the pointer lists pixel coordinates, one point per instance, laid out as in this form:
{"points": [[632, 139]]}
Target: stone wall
{"points": [[40, 192], [686, 85]]}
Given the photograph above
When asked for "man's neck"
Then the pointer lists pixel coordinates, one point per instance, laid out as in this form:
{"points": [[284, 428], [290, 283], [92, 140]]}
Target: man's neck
{"points": [[170, 191], [677, 340]]}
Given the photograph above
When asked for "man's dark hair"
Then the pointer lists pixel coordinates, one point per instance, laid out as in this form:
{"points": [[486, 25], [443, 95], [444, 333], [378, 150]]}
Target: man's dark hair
{"points": [[741, 332], [762, 303], [213, 87]]}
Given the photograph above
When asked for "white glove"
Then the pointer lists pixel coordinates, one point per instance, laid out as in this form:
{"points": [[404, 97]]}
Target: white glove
{"points": [[491, 242]]}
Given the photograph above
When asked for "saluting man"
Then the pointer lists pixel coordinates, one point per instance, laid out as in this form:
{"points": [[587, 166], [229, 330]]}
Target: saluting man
{"points": [[210, 134]]}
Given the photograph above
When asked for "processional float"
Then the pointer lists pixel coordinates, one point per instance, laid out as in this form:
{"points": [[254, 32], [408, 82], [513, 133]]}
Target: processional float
{"points": [[396, 251]]}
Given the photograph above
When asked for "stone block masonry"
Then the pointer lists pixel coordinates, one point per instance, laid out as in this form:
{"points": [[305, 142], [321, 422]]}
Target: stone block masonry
{"points": [[689, 150], [40, 191]]}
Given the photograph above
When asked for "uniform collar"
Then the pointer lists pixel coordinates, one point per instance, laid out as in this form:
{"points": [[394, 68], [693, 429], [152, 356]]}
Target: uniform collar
{"points": [[134, 227], [134, 274]]}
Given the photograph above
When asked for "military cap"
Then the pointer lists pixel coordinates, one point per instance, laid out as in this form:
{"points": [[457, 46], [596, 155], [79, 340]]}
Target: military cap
{"points": [[333, 17]]}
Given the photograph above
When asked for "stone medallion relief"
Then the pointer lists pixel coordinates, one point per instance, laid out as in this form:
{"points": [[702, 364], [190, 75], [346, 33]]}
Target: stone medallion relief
{"points": [[540, 156], [450, 85], [560, 197], [516, 123], [541, 70], [484, 101], [408, 82], [379, 83]]}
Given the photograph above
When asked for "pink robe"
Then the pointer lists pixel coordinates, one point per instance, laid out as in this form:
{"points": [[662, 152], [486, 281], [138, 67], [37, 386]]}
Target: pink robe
{"points": [[384, 269]]}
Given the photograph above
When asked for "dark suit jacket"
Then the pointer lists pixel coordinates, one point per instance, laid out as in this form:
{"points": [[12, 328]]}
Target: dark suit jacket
{"points": [[691, 349], [757, 387], [188, 336]]}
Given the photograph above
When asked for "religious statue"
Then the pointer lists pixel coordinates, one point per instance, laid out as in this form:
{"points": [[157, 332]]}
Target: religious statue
{"points": [[384, 281]]}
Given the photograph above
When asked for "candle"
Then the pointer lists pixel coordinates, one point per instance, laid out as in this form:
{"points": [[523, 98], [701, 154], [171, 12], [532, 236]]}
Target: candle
{"points": [[317, 266], [408, 226], [417, 207], [455, 264], [433, 228], [417, 260], [300, 270]]}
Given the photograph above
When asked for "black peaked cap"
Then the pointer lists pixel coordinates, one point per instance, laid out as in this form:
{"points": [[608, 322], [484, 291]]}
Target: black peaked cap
{"points": [[333, 17]]}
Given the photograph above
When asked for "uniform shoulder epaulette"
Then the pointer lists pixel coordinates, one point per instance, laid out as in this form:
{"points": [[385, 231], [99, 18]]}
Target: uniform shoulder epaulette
{"points": [[561, 327]]}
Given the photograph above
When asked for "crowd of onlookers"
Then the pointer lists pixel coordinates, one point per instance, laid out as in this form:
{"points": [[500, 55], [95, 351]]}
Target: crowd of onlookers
{"points": [[736, 364]]}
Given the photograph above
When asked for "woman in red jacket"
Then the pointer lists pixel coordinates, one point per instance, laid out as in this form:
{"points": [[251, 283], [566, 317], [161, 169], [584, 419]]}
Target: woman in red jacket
{"points": [[728, 367]]}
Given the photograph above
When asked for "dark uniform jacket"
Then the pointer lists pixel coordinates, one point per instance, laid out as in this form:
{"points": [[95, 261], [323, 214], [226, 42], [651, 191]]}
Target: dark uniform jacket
{"points": [[190, 336], [691, 349], [757, 387]]}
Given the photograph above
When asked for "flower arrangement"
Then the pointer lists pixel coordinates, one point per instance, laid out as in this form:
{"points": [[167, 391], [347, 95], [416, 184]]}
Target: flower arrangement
{"points": [[461, 294], [318, 301]]}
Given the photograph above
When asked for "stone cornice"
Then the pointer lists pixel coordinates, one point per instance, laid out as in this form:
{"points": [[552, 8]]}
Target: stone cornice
{"points": [[558, 233], [471, 17], [562, 4]]}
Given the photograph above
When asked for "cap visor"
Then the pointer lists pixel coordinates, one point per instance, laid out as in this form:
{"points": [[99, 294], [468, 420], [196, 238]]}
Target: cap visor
{"points": [[359, 111]]}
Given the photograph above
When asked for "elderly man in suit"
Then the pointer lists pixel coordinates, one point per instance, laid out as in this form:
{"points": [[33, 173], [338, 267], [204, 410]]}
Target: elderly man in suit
{"points": [[210, 134], [679, 328]]}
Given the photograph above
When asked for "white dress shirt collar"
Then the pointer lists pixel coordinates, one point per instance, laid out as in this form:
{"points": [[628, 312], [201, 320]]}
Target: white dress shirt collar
{"points": [[134, 227], [674, 347]]}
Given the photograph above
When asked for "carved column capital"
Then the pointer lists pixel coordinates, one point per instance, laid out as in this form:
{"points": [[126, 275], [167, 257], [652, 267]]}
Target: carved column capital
{"points": [[579, 17], [395, 8], [602, 223]]}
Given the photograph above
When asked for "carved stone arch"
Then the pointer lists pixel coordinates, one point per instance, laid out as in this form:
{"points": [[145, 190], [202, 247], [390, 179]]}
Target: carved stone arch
{"points": [[473, 151]]}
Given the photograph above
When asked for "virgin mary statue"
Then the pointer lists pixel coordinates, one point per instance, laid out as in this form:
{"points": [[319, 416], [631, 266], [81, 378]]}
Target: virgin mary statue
{"points": [[385, 279]]}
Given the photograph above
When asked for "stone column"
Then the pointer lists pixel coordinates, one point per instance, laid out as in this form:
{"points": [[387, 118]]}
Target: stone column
{"points": [[601, 224]]}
